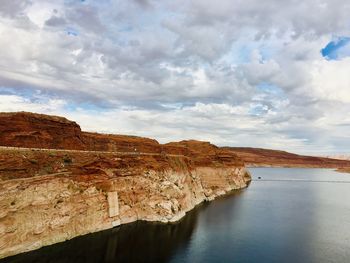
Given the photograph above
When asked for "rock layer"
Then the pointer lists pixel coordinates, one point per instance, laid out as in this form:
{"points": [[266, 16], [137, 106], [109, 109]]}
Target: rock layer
{"points": [[273, 158], [31, 130], [45, 209], [79, 185]]}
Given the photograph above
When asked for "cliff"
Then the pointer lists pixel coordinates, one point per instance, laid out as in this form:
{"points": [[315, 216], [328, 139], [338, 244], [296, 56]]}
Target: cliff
{"points": [[339, 156], [22, 129], [31, 130], [79, 183], [275, 158], [203, 153]]}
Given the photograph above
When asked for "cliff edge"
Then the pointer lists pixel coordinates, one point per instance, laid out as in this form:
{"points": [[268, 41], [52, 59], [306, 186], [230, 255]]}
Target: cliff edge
{"points": [[57, 182]]}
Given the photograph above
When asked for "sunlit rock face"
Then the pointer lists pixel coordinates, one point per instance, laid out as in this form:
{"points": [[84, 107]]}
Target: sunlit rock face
{"points": [[31, 130], [48, 196], [257, 157]]}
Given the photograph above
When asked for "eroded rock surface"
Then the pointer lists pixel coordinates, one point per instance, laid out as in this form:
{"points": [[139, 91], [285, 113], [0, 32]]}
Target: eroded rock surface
{"points": [[48, 196], [31, 130], [44, 209]]}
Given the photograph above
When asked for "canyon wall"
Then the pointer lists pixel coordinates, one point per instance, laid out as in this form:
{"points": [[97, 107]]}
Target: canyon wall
{"points": [[95, 192], [57, 193], [257, 157], [31, 130]]}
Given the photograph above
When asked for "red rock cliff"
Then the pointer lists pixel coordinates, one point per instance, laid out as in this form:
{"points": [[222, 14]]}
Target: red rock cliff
{"points": [[30, 130], [275, 158], [53, 194], [203, 153]]}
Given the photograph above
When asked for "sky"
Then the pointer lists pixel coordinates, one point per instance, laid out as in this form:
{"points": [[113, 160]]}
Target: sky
{"points": [[272, 74]]}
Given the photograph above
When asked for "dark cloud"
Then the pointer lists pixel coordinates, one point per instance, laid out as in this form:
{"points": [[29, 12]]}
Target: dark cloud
{"points": [[56, 21], [13, 8], [143, 3], [87, 17]]}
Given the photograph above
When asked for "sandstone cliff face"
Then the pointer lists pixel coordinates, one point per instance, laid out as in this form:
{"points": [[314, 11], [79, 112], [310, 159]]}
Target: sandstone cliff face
{"points": [[99, 191], [39, 131], [31, 130], [96, 182], [120, 143], [203, 153]]}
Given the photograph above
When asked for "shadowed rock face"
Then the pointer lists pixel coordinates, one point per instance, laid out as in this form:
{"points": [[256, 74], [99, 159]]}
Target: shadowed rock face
{"points": [[49, 195], [266, 157], [132, 243]]}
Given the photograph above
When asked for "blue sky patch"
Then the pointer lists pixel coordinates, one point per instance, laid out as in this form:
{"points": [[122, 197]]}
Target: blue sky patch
{"points": [[259, 109], [334, 49], [72, 32], [270, 89]]}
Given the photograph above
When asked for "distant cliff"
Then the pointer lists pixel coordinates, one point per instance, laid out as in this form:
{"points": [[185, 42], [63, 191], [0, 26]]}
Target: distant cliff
{"points": [[275, 158], [31, 130], [63, 182], [339, 156]]}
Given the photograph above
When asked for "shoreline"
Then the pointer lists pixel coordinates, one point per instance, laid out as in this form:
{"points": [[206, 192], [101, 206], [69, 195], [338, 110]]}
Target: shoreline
{"points": [[296, 166], [343, 170], [51, 209]]}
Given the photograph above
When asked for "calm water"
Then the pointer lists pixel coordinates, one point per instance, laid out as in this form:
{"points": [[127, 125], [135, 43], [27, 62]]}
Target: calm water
{"points": [[289, 215]]}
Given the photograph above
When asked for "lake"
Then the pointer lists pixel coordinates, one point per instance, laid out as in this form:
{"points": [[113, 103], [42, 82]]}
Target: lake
{"points": [[288, 215]]}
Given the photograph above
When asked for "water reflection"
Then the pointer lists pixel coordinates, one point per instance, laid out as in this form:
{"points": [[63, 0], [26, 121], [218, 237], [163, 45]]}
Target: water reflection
{"points": [[136, 242]]}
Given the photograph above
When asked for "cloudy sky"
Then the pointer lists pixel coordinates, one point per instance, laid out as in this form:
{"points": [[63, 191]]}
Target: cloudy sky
{"points": [[273, 73]]}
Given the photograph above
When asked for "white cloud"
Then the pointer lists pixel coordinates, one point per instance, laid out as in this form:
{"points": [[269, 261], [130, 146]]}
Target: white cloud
{"points": [[234, 72], [15, 103], [331, 80]]}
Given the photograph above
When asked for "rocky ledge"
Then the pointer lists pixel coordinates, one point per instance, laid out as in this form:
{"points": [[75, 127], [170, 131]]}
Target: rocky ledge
{"points": [[63, 182]]}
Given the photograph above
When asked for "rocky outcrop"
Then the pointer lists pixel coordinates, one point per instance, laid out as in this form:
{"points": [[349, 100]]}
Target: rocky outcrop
{"points": [[273, 158], [93, 192], [120, 143], [31, 130], [51, 195], [149, 242], [204, 153]]}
